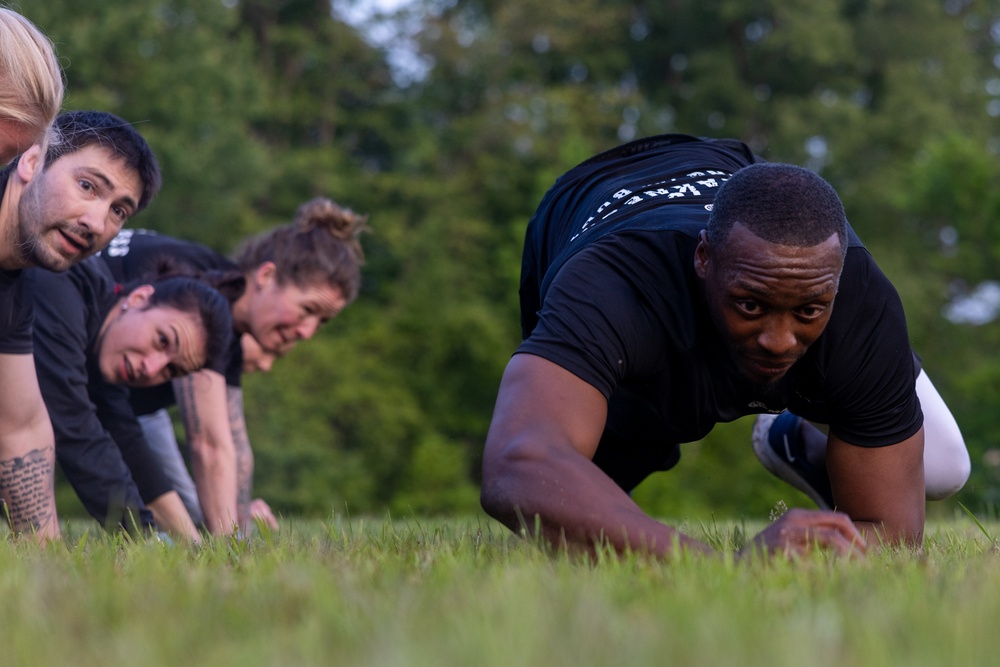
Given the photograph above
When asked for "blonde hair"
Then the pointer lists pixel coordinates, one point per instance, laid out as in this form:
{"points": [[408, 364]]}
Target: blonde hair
{"points": [[321, 245], [31, 81]]}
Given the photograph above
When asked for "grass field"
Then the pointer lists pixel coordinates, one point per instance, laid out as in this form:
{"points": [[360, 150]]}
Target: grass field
{"points": [[466, 592]]}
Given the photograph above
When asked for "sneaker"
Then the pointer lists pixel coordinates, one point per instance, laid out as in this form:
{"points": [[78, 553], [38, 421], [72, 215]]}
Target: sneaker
{"points": [[777, 442]]}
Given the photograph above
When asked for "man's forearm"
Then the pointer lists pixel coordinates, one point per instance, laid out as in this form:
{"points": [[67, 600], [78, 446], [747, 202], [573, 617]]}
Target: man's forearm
{"points": [[576, 506], [877, 533], [27, 487]]}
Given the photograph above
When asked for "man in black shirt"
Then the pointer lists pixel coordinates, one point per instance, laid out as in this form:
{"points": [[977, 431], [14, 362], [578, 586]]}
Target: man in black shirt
{"points": [[61, 202], [675, 283]]}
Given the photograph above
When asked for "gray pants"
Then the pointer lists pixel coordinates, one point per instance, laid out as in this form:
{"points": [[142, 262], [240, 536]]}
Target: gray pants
{"points": [[159, 431]]}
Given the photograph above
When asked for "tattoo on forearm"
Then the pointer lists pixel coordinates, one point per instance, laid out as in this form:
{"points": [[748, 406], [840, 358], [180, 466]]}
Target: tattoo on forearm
{"points": [[244, 455], [26, 485], [184, 390]]}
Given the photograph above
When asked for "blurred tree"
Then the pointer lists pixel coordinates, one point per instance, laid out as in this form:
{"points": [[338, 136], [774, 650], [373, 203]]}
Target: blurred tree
{"points": [[181, 72]]}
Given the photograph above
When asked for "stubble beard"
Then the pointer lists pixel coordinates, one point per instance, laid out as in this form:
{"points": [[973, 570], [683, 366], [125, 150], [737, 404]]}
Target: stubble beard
{"points": [[32, 227]]}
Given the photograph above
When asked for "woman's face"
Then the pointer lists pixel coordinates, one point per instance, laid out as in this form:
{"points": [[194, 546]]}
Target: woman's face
{"points": [[282, 315], [15, 138], [142, 346]]}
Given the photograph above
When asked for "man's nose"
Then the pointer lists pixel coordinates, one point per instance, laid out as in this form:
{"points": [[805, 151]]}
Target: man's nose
{"points": [[94, 218], [778, 336]]}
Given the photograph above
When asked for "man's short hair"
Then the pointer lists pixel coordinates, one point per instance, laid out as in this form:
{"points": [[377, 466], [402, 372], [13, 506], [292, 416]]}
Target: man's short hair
{"points": [[75, 130], [780, 203]]}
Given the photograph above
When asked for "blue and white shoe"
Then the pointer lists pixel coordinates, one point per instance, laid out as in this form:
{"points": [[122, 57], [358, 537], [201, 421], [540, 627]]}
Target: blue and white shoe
{"points": [[778, 443]]}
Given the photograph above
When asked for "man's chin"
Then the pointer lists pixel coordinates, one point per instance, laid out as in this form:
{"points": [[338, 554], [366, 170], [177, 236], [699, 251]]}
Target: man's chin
{"points": [[53, 261], [763, 382]]}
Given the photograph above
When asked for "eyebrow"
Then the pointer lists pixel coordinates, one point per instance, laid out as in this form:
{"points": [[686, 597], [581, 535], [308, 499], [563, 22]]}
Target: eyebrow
{"points": [[108, 184], [811, 296]]}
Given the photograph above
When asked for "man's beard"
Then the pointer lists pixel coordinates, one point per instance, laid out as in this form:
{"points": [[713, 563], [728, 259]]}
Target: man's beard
{"points": [[34, 252], [32, 230]]}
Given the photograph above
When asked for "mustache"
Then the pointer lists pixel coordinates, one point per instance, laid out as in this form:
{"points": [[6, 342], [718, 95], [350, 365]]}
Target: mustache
{"points": [[78, 234]]}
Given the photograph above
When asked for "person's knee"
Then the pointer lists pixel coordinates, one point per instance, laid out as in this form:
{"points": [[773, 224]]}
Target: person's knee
{"points": [[947, 469], [946, 459]]}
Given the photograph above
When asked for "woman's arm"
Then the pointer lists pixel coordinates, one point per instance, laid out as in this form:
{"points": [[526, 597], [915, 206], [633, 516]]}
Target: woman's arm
{"points": [[203, 402], [244, 458], [171, 515]]}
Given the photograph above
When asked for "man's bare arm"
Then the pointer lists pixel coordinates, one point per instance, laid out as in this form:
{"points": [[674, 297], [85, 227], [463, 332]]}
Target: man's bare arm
{"points": [[27, 450], [881, 488], [537, 463], [202, 400]]}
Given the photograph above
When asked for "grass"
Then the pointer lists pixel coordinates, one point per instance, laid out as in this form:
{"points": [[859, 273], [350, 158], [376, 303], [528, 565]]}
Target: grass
{"points": [[466, 592]]}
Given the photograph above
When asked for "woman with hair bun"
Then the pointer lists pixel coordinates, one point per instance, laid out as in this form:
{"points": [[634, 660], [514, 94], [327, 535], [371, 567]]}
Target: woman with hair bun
{"points": [[285, 284], [31, 84]]}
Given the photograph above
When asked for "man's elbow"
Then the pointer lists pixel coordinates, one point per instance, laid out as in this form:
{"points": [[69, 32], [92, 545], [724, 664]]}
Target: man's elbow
{"points": [[494, 497], [505, 479]]}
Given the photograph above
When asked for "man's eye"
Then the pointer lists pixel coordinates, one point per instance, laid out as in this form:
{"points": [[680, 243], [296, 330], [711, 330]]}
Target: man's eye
{"points": [[86, 185], [810, 312], [749, 307]]}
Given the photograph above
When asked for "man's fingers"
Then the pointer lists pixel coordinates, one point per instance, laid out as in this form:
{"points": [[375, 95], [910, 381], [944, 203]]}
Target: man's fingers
{"points": [[801, 532], [836, 538]]}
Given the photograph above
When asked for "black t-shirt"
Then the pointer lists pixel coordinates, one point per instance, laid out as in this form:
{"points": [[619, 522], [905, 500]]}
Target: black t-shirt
{"points": [[15, 306], [134, 255], [99, 443], [609, 292]]}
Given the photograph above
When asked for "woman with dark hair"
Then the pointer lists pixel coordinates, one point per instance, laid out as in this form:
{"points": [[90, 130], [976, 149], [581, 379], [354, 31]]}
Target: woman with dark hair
{"points": [[294, 278], [93, 339]]}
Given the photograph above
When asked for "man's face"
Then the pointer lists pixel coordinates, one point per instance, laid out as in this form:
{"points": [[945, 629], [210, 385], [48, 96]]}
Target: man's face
{"points": [[769, 301], [73, 208]]}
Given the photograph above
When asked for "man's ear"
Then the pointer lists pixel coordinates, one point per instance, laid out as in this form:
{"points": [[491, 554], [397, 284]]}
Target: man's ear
{"points": [[30, 163], [139, 297], [701, 255]]}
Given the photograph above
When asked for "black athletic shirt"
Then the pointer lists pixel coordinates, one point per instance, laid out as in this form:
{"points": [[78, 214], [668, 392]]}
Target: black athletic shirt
{"points": [[134, 255], [15, 306], [609, 292], [99, 443]]}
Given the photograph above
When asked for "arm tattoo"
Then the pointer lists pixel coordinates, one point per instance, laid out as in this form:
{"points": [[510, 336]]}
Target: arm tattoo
{"points": [[244, 455], [27, 487], [184, 389]]}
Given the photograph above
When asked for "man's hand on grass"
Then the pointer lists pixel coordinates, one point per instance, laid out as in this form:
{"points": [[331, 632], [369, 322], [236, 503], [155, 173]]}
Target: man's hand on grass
{"points": [[802, 532]]}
